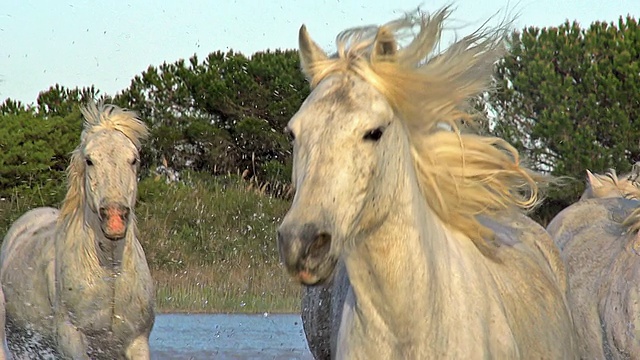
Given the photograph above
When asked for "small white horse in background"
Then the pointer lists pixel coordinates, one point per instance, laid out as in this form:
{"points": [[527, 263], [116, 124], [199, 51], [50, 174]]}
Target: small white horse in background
{"points": [[76, 280], [441, 261]]}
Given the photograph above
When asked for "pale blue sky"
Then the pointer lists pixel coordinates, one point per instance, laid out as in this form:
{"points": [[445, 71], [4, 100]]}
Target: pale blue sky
{"points": [[106, 43]]}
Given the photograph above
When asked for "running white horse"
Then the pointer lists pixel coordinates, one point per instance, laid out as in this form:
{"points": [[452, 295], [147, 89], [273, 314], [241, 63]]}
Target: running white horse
{"points": [[599, 242], [76, 281], [441, 261]]}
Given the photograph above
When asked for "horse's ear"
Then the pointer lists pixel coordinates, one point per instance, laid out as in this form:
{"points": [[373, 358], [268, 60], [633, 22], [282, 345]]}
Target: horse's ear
{"points": [[310, 53], [385, 45], [593, 180]]}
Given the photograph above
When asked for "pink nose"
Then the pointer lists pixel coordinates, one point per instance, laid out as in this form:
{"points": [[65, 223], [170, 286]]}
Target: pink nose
{"points": [[114, 220]]}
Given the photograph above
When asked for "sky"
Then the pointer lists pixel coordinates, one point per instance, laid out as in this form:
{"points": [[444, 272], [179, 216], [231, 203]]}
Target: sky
{"points": [[107, 43]]}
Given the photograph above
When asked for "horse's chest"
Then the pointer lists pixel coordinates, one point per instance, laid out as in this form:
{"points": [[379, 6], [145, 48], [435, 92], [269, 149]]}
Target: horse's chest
{"points": [[106, 303]]}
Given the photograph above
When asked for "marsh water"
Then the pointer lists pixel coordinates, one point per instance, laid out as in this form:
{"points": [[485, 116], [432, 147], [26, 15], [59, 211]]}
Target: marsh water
{"points": [[228, 336]]}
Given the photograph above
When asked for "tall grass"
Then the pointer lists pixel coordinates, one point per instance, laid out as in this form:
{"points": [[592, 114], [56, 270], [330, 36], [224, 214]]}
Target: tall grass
{"points": [[211, 245], [245, 289], [209, 241]]}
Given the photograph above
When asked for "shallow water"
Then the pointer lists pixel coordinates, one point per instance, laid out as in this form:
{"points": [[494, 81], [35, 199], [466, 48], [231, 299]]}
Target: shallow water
{"points": [[228, 336]]}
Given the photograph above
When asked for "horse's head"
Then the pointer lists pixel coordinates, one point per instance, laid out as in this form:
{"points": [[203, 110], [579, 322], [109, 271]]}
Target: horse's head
{"points": [[346, 141], [383, 128], [111, 162], [610, 185], [104, 168]]}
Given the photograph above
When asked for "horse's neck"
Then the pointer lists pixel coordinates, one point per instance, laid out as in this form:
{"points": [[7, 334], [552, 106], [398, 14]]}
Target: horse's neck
{"points": [[84, 236], [404, 275]]}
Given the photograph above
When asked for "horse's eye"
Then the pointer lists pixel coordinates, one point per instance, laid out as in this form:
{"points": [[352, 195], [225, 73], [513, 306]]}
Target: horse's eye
{"points": [[134, 161], [373, 135], [89, 162]]}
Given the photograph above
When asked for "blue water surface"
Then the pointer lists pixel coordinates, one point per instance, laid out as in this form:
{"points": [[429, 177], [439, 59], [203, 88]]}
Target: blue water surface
{"points": [[228, 336]]}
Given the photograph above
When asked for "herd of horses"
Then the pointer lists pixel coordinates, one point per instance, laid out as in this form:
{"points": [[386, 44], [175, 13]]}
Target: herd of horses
{"points": [[408, 227]]}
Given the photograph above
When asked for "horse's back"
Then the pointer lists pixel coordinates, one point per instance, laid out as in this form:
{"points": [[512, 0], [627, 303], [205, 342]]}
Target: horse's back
{"points": [[514, 230], [532, 285], [602, 270], [26, 273]]}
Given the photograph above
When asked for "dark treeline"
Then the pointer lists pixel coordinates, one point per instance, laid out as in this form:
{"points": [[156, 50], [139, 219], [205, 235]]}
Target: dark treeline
{"points": [[567, 97]]}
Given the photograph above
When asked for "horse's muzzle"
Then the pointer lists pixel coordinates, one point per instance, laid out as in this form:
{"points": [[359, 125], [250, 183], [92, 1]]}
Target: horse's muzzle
{"points": [[114, 220], [305, 252]]}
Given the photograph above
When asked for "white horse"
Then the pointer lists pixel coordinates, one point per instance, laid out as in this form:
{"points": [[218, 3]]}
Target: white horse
{"points": [[440, 261], [76, 281], [599, 242]]}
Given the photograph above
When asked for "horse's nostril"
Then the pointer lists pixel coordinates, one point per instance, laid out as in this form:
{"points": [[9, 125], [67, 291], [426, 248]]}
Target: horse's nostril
{"points": [[320, 245], [115, 210], [125, 212]]}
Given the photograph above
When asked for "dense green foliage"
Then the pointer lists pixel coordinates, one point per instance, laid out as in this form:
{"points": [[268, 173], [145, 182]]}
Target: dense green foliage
{"points": [[35, 153], [36, 142], [224, 114], [569, 99]]}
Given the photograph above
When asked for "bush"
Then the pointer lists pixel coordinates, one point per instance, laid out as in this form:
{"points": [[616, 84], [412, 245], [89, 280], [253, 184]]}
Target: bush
{"points": [[570, 100], [35, 153]]}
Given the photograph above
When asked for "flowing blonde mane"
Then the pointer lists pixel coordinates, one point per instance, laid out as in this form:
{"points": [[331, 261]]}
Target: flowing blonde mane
{"points": [[612, 177], [610, 185], [462, 174], [97, 118]]}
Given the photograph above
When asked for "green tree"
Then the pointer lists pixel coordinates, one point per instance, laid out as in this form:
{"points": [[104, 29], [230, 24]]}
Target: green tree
{"points": [[34, 153], [569, 99], [223, 114], [14, 107], [61, 101]]}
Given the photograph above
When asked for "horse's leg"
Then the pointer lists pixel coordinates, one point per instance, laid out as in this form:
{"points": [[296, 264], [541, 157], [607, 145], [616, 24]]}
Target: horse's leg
{"points": [[138, 349], [71, 342]]}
